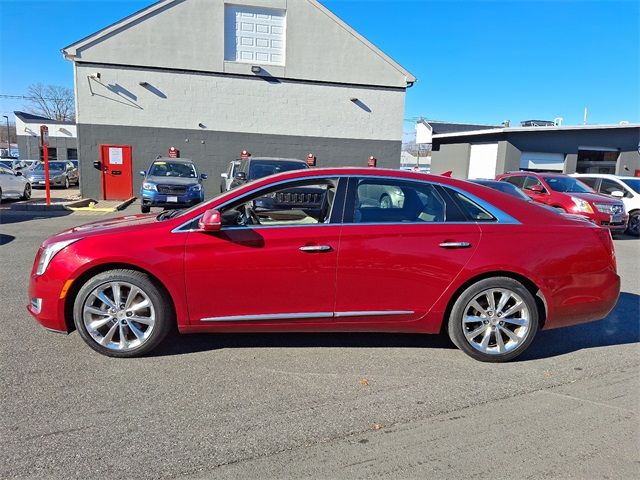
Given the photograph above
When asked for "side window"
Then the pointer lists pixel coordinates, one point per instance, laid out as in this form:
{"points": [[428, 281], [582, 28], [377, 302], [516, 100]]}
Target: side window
{"points": [[230, 170], [608, 186], [397, 201], [296, 203], [517, 181], [472, 209], [532, 182], [591, 181]]}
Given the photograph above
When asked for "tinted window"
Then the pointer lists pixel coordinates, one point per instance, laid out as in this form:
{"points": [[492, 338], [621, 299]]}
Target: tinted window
{"points": [[264, 168], [608, 186], [52, 166], [517, 181], [591, 181], [472, 209], [532, 182], [391, 201]]}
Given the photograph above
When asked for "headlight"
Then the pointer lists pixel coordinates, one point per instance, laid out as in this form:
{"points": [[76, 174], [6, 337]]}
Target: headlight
{"points": [[196, 188], [149, 186], [49, 252], [582, 205]]}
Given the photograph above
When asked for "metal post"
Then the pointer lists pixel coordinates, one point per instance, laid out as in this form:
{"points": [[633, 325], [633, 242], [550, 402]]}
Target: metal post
{"points": [[45, 153]]}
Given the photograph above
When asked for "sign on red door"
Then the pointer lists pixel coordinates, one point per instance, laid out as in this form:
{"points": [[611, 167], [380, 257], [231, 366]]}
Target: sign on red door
{"points": [[117, 180]]}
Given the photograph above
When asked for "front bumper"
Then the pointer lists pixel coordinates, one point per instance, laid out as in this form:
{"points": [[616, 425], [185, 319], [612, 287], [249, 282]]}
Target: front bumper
{"points": [[40, 182], [153, 199], [47, 296]]}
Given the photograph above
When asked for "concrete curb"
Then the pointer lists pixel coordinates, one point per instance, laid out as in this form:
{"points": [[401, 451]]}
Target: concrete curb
{"points": [[126, 203]]}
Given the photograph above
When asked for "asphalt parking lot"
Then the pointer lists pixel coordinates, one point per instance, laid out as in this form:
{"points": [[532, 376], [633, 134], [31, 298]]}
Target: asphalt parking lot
{"points": [[313, 406]]}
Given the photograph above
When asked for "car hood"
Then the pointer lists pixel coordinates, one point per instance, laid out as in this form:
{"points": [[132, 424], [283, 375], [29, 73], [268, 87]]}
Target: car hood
{"points": [[593, 197], [171, 180], [119, 224]]}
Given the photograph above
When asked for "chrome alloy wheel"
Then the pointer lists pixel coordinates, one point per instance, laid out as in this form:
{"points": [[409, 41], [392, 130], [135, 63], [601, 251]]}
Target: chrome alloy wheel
{"points": [[119, 316], [496, 321]]}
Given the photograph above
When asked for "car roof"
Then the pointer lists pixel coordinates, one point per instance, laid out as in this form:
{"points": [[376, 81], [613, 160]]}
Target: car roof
{"points": [[276, 158]]}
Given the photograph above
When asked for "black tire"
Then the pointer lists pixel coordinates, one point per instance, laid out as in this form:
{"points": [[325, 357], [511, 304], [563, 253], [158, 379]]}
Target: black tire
{"points": [[26, 195], [456, 326], [633, 227], [385, 201], [66, 183], [0, 195], [160, 308], [145, 208]]}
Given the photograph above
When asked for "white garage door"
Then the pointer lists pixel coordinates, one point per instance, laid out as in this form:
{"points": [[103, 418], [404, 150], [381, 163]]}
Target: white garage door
{"points": [[542, 161], [482, 160], [254, 35]]}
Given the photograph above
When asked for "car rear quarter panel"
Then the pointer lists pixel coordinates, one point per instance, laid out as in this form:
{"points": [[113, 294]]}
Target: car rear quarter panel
{"points": [[569, 264]]}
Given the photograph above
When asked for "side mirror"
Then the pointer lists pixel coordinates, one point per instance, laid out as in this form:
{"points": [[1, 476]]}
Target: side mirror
{"points": [[537, 189], [143, 173], [204, 176], [224, 175], [211, 221], [241, 176], [617, 194]]}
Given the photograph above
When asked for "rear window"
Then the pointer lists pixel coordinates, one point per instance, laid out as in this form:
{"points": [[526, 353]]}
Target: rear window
{"points": [[264, 168], [517, 181]]}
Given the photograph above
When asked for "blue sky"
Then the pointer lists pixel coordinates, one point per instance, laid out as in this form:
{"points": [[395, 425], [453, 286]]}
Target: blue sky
{"points": [[479, 61]]}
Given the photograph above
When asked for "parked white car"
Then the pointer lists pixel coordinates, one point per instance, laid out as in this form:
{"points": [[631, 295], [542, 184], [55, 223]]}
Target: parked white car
{"points": [[625, 188], [13, 185]]}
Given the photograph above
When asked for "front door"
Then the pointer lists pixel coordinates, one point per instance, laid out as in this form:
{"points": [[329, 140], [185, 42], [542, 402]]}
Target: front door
{"points": [[271, 265], [117, 181], [399, 255]]}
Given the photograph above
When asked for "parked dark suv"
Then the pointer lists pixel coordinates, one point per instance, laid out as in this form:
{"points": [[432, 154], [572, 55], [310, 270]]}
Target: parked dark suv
{"points": [[251, 169], [567, 194]]}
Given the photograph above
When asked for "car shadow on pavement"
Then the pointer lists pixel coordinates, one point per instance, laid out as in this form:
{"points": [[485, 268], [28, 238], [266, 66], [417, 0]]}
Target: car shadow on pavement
{"points": [[192, 343], [4, 239], [622, 326], [11, 216]]}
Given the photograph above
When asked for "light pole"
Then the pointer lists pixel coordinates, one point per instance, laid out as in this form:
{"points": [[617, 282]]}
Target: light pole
{"points": [[8, 140]]}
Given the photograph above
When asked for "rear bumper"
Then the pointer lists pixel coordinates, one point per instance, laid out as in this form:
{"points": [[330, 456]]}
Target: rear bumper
{"points": [[582, 298]]}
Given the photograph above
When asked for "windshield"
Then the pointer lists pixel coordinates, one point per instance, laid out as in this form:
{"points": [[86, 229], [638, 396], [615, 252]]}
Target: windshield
{"points": [[52, 166], [173, 169], [264, 168], [567, 184], [633, 183]]}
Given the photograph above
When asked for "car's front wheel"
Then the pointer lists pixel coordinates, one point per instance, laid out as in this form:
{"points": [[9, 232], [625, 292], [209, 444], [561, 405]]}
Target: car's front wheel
{"points": [[494, 320], [633, 227], [26, 195], [122, 313]]}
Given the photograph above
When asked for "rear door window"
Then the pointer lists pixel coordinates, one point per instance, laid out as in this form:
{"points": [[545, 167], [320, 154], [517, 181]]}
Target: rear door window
{"points": [[591, 181]]}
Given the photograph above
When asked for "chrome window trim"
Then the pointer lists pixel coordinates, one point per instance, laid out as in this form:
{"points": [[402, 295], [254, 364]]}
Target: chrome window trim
{"points": [[300, 316], [501, 217]]}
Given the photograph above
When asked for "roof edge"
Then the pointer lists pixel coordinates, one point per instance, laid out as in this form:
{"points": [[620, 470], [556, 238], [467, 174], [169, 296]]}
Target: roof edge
{"points": [[533, 129], [70, 51], [409, 77]]}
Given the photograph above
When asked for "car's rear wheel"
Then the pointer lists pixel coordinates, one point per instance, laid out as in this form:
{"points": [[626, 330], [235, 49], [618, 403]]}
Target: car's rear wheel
{"points": [[122, 313], [385, 201], [494, 320], [145, 208], [26, 195], [633, 227]]}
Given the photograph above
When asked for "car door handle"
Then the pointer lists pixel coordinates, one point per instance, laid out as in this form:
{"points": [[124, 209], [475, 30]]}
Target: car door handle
{"points": [[315, 248], [455, 244]]}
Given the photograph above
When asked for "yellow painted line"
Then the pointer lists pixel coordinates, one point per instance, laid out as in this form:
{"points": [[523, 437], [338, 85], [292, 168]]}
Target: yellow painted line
{"points": [[91, 208], [65, 288]]}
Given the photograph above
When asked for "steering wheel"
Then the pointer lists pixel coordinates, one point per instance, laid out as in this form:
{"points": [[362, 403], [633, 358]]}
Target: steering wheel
{"points": [[250, 216]]}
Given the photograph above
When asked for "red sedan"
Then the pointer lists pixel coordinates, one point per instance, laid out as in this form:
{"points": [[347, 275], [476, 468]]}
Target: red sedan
{"points": [[443, 256]]}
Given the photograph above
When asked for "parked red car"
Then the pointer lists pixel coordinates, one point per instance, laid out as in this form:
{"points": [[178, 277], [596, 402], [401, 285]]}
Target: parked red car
{"points": [[567, 194], [448, 256]]}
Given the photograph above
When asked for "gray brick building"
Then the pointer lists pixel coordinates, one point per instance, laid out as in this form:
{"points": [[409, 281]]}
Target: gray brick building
{"points": [[277, 78]]}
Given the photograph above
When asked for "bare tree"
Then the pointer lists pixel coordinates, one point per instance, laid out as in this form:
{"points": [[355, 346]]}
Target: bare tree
{"points": [[51, 101]]}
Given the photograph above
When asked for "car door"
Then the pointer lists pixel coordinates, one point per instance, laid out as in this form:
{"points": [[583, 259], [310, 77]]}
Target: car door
{"points": [[395, 262], [280, 271]]}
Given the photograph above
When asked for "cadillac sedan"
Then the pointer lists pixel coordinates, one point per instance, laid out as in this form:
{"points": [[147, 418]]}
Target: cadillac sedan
{"points": [[447, 256]]}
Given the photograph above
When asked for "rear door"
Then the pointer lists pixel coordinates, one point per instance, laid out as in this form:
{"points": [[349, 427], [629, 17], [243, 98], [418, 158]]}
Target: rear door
{"points": [[395, 262]]}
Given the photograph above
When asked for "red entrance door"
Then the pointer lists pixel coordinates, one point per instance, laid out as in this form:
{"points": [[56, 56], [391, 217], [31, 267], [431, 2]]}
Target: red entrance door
{"points": [[117, 181]]}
